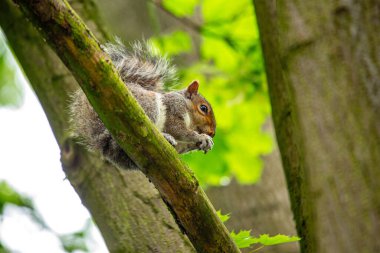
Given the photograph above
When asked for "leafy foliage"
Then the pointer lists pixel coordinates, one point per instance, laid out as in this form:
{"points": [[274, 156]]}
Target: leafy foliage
{"points": [[176, 42], [267, 240], [76, 241], [186, 6], [4, 249], [244, 239], [229, 66], [223, 217], [11, 93], [9, 196]]}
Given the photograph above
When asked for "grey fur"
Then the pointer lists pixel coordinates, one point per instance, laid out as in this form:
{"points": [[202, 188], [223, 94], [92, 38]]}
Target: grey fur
{"points": [[91, 132], [141, 65], [144, 72]]}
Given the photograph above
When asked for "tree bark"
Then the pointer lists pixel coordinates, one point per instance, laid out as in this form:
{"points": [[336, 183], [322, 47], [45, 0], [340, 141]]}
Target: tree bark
{"points": [[125, 119], [140, 220], [322, 61]]}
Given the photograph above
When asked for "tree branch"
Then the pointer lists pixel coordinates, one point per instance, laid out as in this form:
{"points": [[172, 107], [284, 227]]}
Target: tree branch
{"points": [[125, 119], [200, 29]]}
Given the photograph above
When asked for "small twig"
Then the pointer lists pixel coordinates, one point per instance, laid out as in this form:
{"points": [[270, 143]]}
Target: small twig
{"points": [[259, 248], [184, 20], [198, 28]]}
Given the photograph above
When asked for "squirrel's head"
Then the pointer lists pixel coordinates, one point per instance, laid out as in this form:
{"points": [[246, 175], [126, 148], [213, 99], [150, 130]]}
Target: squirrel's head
{"points": [[203, 119]]}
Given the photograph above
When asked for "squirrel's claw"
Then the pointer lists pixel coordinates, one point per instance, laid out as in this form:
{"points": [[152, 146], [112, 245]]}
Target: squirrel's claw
{"points": [[206, 143], [170, 139]]}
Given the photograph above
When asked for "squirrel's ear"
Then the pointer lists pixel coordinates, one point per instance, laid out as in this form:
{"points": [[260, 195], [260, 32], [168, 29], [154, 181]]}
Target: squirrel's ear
{"points": [[192, 89]]}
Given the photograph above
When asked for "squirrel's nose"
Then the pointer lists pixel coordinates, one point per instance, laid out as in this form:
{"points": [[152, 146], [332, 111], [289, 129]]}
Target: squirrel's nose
{"points": [[211, 133]]}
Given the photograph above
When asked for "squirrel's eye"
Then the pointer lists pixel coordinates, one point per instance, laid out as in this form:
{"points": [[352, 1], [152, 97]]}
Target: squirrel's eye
{"points": [[204, 108]]}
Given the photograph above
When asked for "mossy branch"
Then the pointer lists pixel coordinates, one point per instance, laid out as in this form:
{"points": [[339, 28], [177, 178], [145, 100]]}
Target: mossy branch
{"points": [[81, 53]]}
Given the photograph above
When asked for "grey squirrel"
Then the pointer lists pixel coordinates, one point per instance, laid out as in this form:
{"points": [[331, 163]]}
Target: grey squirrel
{"points": [[184, 117]]}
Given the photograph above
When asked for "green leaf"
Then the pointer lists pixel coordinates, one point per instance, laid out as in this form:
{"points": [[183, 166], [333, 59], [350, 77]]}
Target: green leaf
{"points": [[174, 43], [243, 239], [10, 196], [4, 249], [76, 241], [11, 92], [223, 217], [180, 8], [218, 51], [267, 240], [223, 11]]}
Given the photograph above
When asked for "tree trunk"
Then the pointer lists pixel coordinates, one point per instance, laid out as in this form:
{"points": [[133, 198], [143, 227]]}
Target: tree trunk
{"points": [[140, 221], [323, 67]]}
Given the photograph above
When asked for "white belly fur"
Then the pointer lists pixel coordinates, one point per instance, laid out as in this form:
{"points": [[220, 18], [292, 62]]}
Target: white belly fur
{"points": [[161, 113], [187, 119]]}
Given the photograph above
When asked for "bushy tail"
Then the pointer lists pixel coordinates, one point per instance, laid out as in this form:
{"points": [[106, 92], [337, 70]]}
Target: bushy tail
{"points": [[141, 64]]}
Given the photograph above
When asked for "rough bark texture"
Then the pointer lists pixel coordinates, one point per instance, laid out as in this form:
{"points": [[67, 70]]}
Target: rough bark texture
{"points": [[323, 66], [263, 207], [125, 119], [126, 207]]}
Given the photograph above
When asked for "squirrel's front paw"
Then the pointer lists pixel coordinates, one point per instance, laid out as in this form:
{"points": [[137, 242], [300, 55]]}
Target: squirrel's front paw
{"points": [[205, 143], [170, 139]]}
